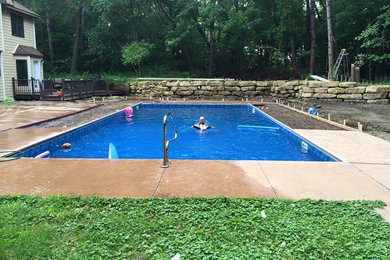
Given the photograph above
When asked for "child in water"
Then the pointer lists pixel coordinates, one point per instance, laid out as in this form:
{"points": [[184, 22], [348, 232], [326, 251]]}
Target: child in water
{"points": [[202, 125]]}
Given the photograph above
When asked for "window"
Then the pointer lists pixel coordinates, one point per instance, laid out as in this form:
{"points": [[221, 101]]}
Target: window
{"points": [[17, 25], [21, 72]]}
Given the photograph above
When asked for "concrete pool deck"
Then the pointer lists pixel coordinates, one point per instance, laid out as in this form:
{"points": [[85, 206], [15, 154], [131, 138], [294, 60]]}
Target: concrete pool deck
{"points": [[26, 113], [364, 173]]}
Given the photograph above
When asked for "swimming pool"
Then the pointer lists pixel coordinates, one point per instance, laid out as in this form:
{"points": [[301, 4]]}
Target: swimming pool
{"points": [[235, 136]]}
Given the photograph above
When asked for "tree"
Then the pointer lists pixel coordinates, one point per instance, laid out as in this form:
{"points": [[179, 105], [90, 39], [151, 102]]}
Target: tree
{"points": [[330, 39], [133, 53], [313, 43], [78, 36], [243, 39], [376, 41]]}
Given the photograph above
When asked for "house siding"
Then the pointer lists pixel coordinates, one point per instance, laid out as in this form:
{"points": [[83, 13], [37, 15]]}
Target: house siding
{"points": [[10, 44]]}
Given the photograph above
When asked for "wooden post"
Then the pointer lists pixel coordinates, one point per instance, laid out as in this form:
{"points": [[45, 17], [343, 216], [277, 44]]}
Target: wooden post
{"points": [[71, 91], [32, 87], [107, 87], [93, 87], [353, 75], [357, 74], [329, 117], [14, 86]]}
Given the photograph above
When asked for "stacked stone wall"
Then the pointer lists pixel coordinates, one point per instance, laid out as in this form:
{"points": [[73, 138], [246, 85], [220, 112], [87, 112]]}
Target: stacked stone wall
{"points": [[255, 90]]}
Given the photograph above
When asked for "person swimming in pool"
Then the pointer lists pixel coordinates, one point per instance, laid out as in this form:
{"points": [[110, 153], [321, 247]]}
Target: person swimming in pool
{"points": [[201, 124]]}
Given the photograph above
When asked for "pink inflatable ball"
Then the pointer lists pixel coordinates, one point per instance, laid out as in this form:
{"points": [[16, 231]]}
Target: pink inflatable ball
{"points": [[129, 111]]}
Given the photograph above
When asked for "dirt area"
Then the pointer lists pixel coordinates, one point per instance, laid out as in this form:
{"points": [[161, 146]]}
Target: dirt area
{"points": [[375, 118], [295, 120]]}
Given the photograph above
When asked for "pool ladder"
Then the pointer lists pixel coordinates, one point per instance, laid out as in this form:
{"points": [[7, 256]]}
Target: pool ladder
{"points": [[166, 142]]}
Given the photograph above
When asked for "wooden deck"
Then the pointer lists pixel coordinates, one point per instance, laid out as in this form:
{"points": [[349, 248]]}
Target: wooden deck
{"points": [[62, 90]]}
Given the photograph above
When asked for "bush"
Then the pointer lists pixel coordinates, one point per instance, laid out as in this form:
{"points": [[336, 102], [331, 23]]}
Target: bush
{"points": [[8, 101]]}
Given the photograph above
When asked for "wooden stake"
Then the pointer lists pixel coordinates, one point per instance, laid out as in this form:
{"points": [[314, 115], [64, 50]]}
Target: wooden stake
{"points": [[329, 117], [345, 122]]}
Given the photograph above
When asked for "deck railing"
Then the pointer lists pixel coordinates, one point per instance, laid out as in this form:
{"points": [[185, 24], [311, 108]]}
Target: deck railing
{"points": [[30, 88], [71, 89]]}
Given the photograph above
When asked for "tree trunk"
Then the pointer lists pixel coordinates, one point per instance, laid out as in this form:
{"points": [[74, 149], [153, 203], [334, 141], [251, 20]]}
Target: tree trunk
{"points": [[50, 39], [212, 54], [293, 51], [330, 39], [82, 25], [77, 38], [187, 55], [312, 37], [236, 8], [308, 34]]}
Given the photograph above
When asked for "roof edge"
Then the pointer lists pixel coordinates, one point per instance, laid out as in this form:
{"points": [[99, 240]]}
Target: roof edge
{"points": [[24, 11]]}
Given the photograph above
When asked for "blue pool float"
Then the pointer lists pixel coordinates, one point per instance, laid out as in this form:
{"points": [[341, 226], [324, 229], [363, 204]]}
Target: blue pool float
{"points": [[43, 155], [259, 127], [112, 152]]}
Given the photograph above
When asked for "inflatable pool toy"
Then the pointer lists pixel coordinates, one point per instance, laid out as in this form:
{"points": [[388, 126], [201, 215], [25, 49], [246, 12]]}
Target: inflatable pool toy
{"points": [[66, 145], [43, 155], [312, 111], [259, 127], [112, 152], [197, 126], [129, 112]]}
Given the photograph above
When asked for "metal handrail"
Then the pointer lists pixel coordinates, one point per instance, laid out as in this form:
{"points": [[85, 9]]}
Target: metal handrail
{"points": [[166, 142]]}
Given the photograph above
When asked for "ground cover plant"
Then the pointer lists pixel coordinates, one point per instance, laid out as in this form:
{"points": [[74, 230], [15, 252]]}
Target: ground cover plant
{"points": [[196, 228]]}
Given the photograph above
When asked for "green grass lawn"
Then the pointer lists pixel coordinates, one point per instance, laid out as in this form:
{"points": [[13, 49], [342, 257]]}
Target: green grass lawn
{"points": [[197, 228]]}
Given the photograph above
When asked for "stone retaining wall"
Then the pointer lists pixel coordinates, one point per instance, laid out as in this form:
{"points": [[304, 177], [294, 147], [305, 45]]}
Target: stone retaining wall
{"points": [[255, 90]]}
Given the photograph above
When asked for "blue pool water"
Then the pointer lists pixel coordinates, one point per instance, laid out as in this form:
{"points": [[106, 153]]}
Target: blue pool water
{"points": [[141, 138]]}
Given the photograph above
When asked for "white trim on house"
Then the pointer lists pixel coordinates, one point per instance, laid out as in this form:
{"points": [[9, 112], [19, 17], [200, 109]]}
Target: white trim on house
{"points": [[17, 46], [29, 67], [35, 36], [2, 51]]}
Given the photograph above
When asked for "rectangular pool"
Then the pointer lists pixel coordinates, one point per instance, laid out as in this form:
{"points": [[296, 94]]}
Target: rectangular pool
{"points": [[232, 137]]}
